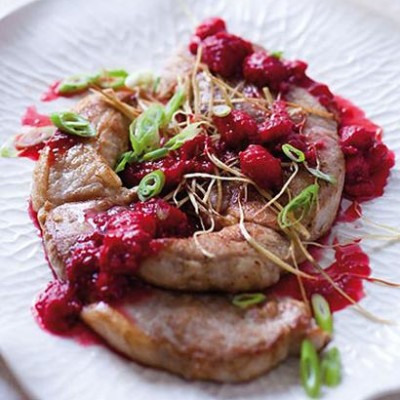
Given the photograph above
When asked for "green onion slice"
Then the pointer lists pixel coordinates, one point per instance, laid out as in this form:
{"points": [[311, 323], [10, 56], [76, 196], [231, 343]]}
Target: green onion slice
{"points": [[321, 175], [300, 205], [74, 124], [293, 153], [144, 130], [331, 367], [190, 132], [221, 110], [75, 84], [276, 54], [142, 79], [8, 150], [246, 300], [322, 312], [156, 84], [174, 104], [155, 154], [114, 79], [126, 158], [151, 185], [310, 371]]}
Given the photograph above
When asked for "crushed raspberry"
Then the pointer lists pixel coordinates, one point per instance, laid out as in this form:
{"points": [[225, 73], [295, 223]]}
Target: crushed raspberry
{"points": [[101, 264], [264, 70], [355, 138], [209, 27], [262, 167], [224, 53], [367, 172], [57, 307], [236, 129], [278, 126], [190, 157]]}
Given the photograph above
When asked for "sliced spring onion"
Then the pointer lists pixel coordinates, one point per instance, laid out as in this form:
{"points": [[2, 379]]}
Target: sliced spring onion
{"points": [[322, 312], [74, 124], [293, 153], [300, 205], [174, 104], [246, 300], [155, 154], [114, 79], [125, 158], [144, 130], [310, 370], [75, 84], [331, 368], [221, 110], [277, 54], [151, 185], [143, 79], [8, 150], [321, 175], [190, 132], [156, 84]]}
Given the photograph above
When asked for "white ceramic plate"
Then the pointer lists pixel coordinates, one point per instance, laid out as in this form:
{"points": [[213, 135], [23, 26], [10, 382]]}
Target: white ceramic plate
{"points": [[352, 50]]}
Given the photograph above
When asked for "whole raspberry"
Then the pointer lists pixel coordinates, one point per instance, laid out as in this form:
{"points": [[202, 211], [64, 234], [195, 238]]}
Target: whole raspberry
{"points": [[236, 129], [264, 70], [262, 167], [224, 53]]}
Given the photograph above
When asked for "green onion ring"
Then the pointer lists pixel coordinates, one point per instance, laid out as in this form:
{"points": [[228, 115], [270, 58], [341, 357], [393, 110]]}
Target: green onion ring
{"points": [[221, 110], [331, 369], [155, 154], [189, 133], [246, 300], [74, 124], [114, 79], [174, 104], [293, 153], [75, 84], [322, 312], [126, 158], [151, 185], [302, 202], [310, 371], [321, 175]]}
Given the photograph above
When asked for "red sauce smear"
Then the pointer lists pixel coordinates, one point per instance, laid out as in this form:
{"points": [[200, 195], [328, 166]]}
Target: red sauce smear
{"points": [[368, 160], [52, 92], [350, 214], [350, 268], [34, 119], [102, 264]]}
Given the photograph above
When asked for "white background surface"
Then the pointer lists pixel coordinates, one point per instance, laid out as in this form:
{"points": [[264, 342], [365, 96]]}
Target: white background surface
{"points": [[371, 353]]}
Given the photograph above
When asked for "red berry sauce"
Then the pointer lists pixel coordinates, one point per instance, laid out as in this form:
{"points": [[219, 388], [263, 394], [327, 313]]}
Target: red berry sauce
{"points": [[191, 157], [237, 129], [368, 160], [224, 53], [263, 69], [102, 264], [262, 167], [350, 268]]}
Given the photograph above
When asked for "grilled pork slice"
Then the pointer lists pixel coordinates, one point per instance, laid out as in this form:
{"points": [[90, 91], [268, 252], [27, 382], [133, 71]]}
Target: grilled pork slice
{"points": [[204, 336], [85, 170], [234, 265]]}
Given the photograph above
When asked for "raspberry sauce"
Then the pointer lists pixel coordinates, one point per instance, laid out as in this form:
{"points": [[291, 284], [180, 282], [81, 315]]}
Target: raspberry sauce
{"points": [[350, 268], [101, 265]]}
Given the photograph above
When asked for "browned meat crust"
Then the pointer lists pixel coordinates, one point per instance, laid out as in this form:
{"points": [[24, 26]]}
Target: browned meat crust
{"points": [[204, 336]]}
